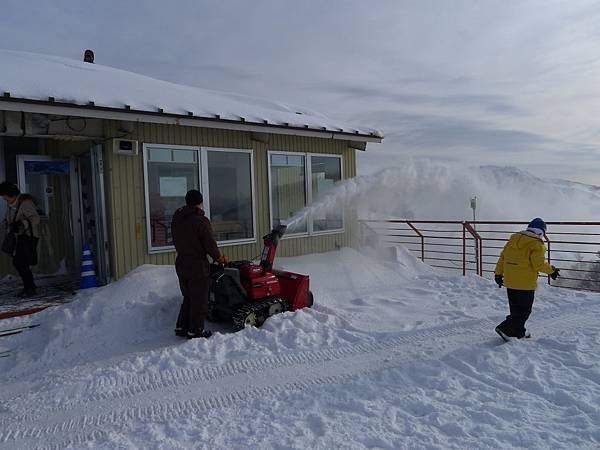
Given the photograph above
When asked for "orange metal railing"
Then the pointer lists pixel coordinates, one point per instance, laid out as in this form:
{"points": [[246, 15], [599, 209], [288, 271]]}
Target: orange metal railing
{"points": [[474, 246]]}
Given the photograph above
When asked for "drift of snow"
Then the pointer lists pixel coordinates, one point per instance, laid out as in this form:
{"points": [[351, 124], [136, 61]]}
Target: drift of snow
{"points": [[71, 81], [393, 355]]}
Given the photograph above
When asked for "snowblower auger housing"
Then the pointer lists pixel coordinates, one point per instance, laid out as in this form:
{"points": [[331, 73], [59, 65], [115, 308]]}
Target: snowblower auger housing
{"points": [[247, 294]]}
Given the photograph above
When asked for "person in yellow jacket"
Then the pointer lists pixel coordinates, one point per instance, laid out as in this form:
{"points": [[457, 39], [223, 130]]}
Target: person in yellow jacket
{"points": [[522, 258]]}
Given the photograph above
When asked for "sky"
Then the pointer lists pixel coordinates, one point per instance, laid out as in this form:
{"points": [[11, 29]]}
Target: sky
{"points": [[511, 82]]}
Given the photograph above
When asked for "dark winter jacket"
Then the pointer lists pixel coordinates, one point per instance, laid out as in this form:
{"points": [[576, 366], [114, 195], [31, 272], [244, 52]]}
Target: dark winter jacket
{"points": [[194, 240]]}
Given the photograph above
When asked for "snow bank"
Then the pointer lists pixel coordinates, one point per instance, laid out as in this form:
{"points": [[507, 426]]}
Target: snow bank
{"points": [[393, 355], [138, 313], [363, 295], [104, 322]]}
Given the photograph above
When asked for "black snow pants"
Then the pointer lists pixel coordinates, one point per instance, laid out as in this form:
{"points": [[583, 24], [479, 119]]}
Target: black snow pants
{"points": [[520, 303], [194, 309], [22, 267]]}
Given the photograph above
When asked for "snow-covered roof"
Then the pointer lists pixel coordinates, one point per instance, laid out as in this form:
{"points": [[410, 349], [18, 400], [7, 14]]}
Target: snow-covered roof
{"points": [[61, 81]]}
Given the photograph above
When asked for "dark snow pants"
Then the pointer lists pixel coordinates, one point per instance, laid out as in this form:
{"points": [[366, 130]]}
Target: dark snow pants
{"points": [[520, 303], [193, 311], [24, 270]]}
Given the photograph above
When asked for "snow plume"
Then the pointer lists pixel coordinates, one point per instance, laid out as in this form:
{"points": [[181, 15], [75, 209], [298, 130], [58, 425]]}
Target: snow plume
{"points": [[426, 190]]}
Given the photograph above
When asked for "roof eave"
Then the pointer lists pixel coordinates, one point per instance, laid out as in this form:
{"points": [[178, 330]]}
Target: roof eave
{"points": [[160, 117]]}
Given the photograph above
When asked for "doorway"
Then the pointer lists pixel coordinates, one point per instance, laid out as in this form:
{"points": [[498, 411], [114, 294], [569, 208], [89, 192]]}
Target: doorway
{"points": [[92, 207], [70, 200], [48, 181]]}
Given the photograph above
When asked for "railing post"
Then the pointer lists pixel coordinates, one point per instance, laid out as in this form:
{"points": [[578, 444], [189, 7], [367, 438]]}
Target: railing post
{"points": [[477, 256], [464, 230], [422, 239], [472, 232], [549, 258], [481, 256]]}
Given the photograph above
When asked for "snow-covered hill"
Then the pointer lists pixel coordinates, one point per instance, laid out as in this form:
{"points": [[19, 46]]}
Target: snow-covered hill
{"points": [[393, 355]]}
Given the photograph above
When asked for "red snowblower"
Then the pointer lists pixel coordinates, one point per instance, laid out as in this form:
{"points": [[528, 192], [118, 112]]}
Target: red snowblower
{"points": [[247, 294]]}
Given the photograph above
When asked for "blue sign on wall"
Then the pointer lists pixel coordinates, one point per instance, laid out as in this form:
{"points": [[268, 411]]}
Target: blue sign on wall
{"points": [[56, 167]]}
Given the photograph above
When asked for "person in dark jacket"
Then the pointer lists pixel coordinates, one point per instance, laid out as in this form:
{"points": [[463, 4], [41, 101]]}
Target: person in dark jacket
{"points": [[22, 219], [522, 258], [194, 241]]}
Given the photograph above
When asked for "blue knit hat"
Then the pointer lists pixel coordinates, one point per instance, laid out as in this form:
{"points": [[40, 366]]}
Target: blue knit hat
{"points": [[537, 223]]}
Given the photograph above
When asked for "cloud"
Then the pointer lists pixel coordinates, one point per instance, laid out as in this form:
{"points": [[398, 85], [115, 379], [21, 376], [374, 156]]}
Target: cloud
{"points": [[436, 131], [491, 103], [507, 82]]}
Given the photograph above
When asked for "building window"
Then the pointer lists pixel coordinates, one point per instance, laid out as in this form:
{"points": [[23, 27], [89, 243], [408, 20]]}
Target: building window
{"points": [[290, 191], [170, 174], [325, 172], [230, 187], [225, 178]]}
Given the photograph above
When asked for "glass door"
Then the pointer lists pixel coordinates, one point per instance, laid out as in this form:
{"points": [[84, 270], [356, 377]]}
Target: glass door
{"points": [[48, 181]]}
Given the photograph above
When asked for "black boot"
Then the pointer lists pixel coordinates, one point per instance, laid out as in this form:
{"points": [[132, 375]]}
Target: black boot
{"points": [[27, 293], [200, 334], [180, 332]]}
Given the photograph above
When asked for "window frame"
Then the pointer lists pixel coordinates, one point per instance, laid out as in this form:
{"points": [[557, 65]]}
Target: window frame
{"points": [[21, 159], [202, 161], [308, 191], [333, 230], [204, 169]]}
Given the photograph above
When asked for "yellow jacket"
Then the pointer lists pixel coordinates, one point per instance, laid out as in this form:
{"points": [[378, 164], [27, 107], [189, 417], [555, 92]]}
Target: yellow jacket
{"points": [[522, 258]]}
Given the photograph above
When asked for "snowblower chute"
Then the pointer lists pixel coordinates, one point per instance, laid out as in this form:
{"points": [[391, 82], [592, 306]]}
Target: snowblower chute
{"points": [[247, 294]]}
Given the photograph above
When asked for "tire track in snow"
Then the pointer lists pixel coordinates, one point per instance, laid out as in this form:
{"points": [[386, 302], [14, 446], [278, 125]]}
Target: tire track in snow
{"points": [[142, 398], [110, 389], [118, 387], [122, 387]]}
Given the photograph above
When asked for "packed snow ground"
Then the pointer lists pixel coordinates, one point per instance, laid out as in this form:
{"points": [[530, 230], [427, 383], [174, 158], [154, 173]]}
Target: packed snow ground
{"points": [[393, 355]]}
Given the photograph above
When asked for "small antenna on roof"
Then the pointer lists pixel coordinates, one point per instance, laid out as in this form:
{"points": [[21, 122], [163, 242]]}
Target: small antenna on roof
{"points": [[88, 56]]}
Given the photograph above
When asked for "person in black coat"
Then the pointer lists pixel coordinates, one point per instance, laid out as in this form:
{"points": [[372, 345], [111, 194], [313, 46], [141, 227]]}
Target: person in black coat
{"points": [[194, 241]]}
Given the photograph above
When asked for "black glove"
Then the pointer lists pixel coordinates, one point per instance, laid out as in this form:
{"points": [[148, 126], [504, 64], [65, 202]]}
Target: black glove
{"points": [[554, 275], [499, 279]]}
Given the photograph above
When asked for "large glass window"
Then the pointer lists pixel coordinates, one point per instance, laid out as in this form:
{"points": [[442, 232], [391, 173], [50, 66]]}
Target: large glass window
{"points": [[226, 183], [170, 174], [230, 186], [288, 189], [325, 172]]}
